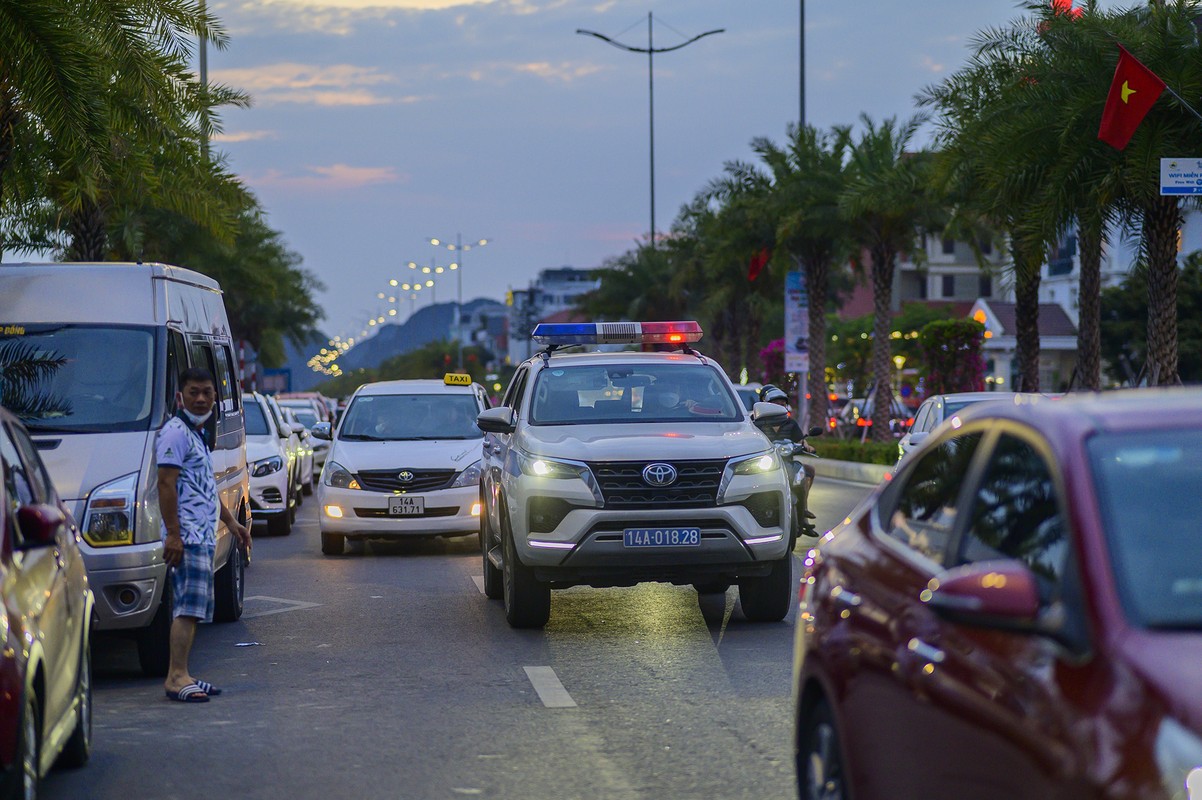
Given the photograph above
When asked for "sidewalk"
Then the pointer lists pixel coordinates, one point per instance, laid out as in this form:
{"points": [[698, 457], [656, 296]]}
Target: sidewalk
{"points": [[849, 470]]}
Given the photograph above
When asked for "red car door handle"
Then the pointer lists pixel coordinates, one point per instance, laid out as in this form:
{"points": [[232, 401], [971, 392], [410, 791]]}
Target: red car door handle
{"points": [[845, 598], [926, 652]]}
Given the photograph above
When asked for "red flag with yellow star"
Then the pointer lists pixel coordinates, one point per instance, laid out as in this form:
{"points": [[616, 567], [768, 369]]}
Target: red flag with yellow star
{"points": [[1133, 92]]}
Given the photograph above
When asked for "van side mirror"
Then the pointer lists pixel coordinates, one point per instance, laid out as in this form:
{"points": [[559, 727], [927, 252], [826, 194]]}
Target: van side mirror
{"points": [[323, 431], [497, 420], [39, 524]]}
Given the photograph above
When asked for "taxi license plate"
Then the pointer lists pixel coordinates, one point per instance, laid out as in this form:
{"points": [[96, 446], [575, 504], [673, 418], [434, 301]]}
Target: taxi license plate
{"points": [[406, 506], [661, 537]]}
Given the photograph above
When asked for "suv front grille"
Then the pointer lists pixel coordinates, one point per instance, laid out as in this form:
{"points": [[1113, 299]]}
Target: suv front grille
{"points": [[623, 487], [388, 480]]}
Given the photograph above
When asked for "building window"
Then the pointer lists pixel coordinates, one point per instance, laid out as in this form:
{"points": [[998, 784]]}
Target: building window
{"points": [[985, 289], [949, 247], [949, 286], [986, 246]]}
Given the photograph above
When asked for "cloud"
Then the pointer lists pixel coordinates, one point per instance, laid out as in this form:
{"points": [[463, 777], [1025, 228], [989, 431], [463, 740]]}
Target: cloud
{"points": [[339, 17], [334, 176], [245, 136], [565, 72], [332, 85], [931, 65]]}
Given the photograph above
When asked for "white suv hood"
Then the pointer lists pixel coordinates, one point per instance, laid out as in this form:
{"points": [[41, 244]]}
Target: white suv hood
{"points": [[261, 447], [455, 454], [642, 442]]}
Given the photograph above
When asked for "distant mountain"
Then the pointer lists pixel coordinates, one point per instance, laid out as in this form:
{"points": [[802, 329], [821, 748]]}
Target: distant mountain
{"points": [[428, 324], [296, 360]]}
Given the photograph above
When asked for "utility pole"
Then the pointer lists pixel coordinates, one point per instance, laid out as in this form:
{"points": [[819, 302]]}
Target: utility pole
{"points": [[801, 116]]}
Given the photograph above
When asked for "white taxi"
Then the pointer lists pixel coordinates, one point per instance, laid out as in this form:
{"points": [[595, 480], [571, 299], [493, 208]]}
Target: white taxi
{"points": [[405, 461], [608, 469]]}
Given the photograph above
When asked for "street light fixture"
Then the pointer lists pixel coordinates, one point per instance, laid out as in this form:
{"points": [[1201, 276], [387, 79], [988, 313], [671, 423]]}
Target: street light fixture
{"points": [[461, 248], [650, 50]]}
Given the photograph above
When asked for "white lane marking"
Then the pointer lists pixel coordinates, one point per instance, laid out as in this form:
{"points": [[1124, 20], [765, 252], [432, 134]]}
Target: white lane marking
{"points": [[479, 581], [846, 482], [550, 690], [289, 605]]}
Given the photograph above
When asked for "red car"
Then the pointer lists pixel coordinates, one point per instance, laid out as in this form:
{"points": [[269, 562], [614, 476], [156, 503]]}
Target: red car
{"points": [[45, 623], [1016, 614]]}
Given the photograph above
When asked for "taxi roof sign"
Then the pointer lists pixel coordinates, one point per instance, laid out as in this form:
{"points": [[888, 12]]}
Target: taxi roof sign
{"points": [[457, 379]]}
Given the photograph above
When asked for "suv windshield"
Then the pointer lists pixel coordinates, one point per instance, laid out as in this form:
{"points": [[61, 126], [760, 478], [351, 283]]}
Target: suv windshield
{"points": [[653, 392], [1150, 491], [75, 378], [401, 417]]}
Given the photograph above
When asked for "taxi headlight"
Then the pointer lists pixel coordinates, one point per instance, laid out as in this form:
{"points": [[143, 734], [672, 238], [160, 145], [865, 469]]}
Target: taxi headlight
{"points": [[757, 464], [108, 520], [539, 467], [266, 466], [469, 477], [338, 476], [1178, 755]]}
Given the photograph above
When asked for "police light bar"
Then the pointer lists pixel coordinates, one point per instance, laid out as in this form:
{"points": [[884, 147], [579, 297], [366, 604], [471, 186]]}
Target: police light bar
{"points": [[565, 333]]}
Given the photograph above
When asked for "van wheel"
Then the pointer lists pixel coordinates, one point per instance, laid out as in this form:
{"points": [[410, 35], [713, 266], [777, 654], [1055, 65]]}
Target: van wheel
{"points": [[767, 599], [154, 640], [79, 747], [527, 602], [711, 587], [229, 586], [280, 524], [332, 544], [819, 761]]}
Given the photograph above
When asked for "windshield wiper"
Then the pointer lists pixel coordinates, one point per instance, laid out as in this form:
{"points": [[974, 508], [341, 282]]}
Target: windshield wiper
{"points": [[360, 437], [34, 431]]}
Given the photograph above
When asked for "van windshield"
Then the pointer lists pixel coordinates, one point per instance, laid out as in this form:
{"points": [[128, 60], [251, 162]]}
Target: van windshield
{"points": [[77, 378]]}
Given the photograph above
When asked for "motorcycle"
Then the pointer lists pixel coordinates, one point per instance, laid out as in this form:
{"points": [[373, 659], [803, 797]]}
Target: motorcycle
{"points": [[791, 453]]}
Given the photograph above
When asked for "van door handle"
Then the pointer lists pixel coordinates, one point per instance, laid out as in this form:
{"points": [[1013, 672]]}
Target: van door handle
{"points": [[925, 651]]}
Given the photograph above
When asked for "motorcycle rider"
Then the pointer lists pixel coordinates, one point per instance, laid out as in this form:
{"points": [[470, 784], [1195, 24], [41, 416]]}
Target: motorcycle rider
{"points": [[787, 428]]}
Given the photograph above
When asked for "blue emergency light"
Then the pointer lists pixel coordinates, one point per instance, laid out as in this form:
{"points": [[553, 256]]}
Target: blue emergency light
{"points": [[565, 333]]}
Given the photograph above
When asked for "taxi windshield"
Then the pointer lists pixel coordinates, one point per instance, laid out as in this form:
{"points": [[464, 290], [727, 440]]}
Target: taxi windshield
{"points": [[605, 393], [410, 417], [77, 378], [1150, 491]]}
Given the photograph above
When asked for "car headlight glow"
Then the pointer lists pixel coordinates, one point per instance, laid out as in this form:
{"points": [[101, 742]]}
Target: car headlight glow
{"points": [[758, 464], [469, 477], [338, 476], [108, 520], [539, 467], [1178, 754], [266, 466]]}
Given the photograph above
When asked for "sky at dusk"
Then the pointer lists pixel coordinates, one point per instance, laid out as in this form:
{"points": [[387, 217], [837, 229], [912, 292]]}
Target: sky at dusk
{"points": [[378, 124]]}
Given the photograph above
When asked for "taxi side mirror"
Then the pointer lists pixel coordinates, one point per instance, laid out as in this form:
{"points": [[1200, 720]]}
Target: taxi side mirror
{"points": [[497, 420], [768, 411]]}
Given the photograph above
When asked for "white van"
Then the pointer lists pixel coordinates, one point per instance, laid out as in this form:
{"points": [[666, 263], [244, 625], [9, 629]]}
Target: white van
{"points": [[90, 356]]}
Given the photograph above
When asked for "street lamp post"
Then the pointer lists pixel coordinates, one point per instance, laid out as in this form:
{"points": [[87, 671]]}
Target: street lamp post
{"points": [[461, 248], [650, 50]]}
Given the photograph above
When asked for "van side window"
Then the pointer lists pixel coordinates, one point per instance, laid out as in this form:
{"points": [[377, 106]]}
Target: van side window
{"points": [[177, 361], [924, 508], [227, 384], [200, 354]]}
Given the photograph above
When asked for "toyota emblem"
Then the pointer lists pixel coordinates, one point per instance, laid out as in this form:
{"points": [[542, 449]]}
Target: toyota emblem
{"points": [[659, 474], [405, 476]]}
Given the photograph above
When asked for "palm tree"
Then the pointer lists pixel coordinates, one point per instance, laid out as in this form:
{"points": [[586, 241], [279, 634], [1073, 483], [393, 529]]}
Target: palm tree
{"points": [[886, 202]]}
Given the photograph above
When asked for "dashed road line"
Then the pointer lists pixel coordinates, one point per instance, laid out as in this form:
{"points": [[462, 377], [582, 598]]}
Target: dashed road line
{"points": [[549, 689], [479, 581], [288, 605]]}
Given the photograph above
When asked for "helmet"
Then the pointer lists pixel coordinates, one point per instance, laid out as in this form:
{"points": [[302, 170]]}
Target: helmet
{"points": [[772, 394]]}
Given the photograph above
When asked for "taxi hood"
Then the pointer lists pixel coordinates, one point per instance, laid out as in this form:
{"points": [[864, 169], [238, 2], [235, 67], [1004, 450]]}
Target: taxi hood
{"points": [[642, 441], [456, 454]]}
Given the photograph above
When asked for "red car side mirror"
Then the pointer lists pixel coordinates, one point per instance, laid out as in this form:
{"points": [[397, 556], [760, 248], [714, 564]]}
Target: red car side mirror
{"points": [[39, 524], [998, 594]]}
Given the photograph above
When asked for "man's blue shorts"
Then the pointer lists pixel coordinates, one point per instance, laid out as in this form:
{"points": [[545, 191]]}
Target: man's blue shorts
{"points": [[192, 583]]}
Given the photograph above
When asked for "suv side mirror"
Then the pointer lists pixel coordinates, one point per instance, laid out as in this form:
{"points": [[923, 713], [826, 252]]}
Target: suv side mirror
{"points": [[298, 428], [497, 420], [767, 411], [39, 524], [322, 430]]}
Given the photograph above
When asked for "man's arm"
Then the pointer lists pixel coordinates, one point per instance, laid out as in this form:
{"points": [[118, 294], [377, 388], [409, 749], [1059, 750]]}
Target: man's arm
{"points": [[240, 531], [173, 546]]}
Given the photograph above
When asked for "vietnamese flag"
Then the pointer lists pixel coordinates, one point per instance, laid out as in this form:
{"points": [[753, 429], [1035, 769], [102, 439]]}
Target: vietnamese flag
{"points": [[1133, 92], [757, 263]]}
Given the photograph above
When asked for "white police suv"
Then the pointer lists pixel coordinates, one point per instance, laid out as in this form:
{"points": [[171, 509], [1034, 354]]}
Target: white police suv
{"points": [[405, 461], [608, 469]]}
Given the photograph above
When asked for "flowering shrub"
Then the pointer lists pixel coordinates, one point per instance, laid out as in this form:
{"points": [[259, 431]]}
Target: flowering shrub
{"points": [[952, 351], [773, 359]]}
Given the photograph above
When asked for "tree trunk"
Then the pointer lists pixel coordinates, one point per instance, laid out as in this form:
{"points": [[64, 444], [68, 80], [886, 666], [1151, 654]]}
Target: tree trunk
{"points": [[88, 232], [8, 121], [1026, 316], [817, 271], [1089, 307], [1162, 222], [884, 262]]}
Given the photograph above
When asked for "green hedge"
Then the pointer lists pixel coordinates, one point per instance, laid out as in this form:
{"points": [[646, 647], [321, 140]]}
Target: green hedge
{"points": [[855, 450]]}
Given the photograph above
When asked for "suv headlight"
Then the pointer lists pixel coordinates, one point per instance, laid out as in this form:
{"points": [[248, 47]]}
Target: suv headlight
{"points": [[469, 477], [539, 467], [338, 476], [757, 464], [1178, 754], [108, 519], [266, 466]]}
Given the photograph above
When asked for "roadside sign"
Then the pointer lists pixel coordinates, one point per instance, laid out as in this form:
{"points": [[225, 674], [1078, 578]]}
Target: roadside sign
{"points": [[1180, 176], [797, 323]]}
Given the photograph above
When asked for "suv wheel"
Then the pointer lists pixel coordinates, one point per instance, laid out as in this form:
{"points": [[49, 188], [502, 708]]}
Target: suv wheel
{"points": [[527, 602], [494, 579], [280, 524], [767, 599], [819, 760]]}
